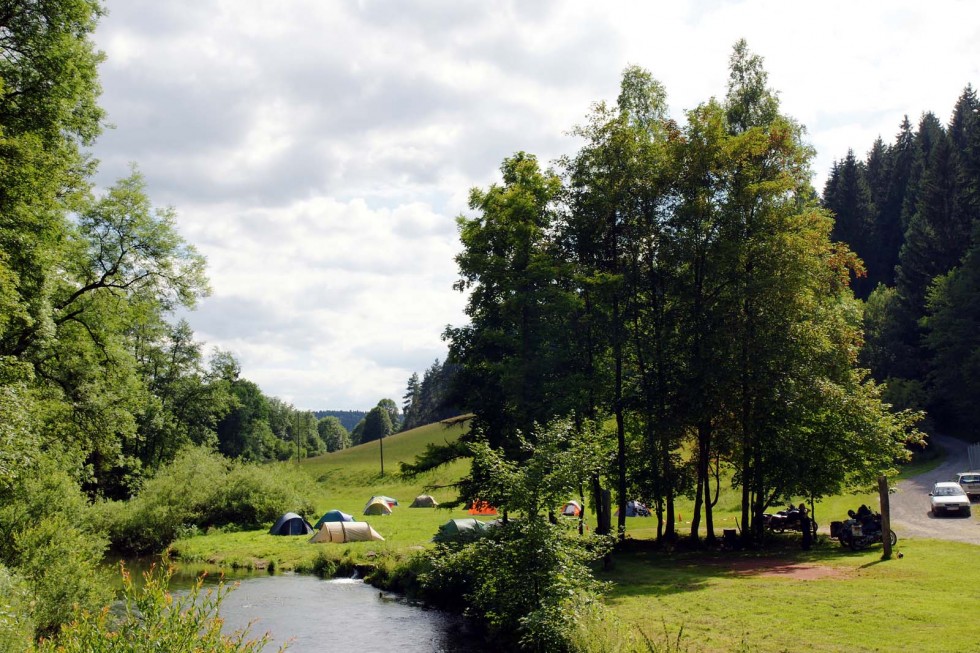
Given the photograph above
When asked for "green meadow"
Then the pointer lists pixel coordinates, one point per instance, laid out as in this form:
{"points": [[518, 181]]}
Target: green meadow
{"points": [[778, 599]]}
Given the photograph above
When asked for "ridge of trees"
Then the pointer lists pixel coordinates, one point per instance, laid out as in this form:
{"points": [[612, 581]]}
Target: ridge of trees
{"points": [[911, 211]]}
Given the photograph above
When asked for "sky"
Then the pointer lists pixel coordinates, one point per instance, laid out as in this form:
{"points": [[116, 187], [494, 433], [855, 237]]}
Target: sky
{"points": [[317, 152]]}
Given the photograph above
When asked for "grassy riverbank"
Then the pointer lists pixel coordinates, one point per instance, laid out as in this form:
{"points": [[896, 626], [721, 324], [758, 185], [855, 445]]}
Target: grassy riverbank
{"points": [[779, 599]]}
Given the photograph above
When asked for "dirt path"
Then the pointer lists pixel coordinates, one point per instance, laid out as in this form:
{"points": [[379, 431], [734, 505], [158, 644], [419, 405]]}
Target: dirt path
{"points": [[911, 516]]}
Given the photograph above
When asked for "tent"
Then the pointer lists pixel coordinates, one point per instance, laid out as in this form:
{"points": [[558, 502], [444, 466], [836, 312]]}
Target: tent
{"points": [[571, 509], [291, 524], [388, 501], [424, 501], [346, 531], [457, 527], [482, 508], [377, 507], [636, 509], [332, 515]]}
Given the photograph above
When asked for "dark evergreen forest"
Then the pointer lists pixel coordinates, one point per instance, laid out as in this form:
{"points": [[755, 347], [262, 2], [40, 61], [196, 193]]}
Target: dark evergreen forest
{"points": [[910, 210]]}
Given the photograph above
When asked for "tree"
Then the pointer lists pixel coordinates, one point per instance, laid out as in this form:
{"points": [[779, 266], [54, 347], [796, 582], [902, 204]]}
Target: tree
{"points": [[505, 355], [333, 433], [377, 425], [412, 400]]}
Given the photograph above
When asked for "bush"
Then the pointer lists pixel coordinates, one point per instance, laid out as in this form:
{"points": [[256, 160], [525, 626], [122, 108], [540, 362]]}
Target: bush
{"points": [[154, 620], [199, 490], [16, 623], [60, 565]]}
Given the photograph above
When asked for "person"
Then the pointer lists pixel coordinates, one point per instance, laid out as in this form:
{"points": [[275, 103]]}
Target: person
{"points": [[805, 526]]}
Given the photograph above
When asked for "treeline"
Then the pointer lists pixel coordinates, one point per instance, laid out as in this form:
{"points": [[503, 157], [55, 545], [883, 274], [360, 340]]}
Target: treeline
{"points": [[911, 212], [104, 394], [676, 283], [431, 399], [347, 418]]}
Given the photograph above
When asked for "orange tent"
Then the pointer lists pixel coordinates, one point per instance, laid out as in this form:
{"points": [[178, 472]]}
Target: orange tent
{"points": [[482, 508]]}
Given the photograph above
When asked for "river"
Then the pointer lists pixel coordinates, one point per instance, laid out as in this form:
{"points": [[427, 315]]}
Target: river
{"points": [[310, 614]]}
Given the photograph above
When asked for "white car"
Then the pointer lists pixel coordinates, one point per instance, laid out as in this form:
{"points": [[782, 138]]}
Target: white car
{"points": [[949, 498], [970, 482]]}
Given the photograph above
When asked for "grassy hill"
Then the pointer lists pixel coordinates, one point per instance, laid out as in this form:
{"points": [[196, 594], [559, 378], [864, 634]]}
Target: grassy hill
{"points": [[346, 480]]}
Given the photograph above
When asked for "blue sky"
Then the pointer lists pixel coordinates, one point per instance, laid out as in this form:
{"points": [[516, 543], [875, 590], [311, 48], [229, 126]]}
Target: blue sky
{"points": [[318, 151]]}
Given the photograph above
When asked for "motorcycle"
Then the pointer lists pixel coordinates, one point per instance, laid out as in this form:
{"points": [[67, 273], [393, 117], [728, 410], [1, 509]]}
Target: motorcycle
{"points": [[785, 520], [862, 530]]}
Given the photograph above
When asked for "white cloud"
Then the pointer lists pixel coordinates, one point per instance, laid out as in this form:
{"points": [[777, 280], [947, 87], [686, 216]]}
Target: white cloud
{"points": [[317, 152]]}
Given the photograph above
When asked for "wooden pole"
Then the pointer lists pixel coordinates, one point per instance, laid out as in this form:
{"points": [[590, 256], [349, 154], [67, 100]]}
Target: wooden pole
{"points": [[381, 440], [886, 520]]}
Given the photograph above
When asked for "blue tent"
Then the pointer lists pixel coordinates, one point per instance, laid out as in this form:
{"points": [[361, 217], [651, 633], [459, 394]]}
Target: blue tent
{"points": [[333, 515], [291, 524]]}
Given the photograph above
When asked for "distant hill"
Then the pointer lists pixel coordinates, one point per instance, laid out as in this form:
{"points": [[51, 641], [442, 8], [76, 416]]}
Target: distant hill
{"points": [[349, 418]]}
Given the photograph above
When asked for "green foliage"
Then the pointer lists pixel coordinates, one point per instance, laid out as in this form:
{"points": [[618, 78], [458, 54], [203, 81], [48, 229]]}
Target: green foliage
{"points": [[59, 561], [16, 621], [333, 433], [517, 579], [153, 619], [202, 489], [377, 425]]}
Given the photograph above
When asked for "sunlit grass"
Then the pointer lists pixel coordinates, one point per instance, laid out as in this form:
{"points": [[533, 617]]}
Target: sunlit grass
{"points": [[913, 603]]}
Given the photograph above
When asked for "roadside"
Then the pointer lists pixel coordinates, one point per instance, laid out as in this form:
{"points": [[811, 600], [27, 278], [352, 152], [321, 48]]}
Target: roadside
{"points": [[910, 512]]}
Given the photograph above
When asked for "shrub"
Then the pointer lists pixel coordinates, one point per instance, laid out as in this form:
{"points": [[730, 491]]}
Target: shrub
{"points": [[60, 565], [152, 619], [16, 623], [199, 490]]}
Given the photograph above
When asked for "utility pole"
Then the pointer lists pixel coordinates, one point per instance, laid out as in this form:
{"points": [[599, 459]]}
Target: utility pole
{"points": [[381, 443]]}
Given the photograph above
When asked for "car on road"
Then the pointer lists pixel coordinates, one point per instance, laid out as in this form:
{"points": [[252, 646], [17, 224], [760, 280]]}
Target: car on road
{"points": [[970, 482], [948, 498]]}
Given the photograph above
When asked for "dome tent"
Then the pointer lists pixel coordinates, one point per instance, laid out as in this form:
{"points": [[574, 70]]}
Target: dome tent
{"points": [[291, 524], [377, 507], [333, 515], [460, 527], [571, 509], [424, 501]]}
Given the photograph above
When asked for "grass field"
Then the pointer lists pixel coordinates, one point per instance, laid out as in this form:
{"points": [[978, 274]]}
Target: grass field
{"points": [[828, 599], [782, 599]]}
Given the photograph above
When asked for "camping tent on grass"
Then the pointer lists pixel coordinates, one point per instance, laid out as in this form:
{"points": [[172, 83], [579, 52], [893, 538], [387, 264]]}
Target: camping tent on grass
{"points": [[459, 527], [424, 501], [635, 509], [571, 509], [380, 497], [332, 515], [343, 531], [291, 524], [482, 508], [377, 507]]}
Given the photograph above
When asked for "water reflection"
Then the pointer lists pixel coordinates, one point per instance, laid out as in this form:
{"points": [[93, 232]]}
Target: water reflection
{"points": [[310, 614], [317, 615]]}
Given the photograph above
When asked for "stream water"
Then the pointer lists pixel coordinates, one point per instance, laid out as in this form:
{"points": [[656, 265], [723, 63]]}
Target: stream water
{"points": [[310, 614]]}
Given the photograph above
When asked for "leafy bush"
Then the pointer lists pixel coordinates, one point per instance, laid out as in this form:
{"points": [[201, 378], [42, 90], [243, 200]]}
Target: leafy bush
{"points": [[518, 578], [60, 565], [16, 623], [154, 620], [201, 489]]}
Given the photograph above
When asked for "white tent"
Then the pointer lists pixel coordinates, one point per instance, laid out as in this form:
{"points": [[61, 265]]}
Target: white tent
{"points": [[424, 501], [377, 507], [346, 531]]}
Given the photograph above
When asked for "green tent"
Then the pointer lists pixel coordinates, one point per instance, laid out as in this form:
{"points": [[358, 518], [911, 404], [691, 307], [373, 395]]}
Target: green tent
{"points": [[460, 528]]}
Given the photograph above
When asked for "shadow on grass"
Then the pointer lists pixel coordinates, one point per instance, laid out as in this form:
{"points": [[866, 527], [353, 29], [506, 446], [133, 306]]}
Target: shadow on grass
{"points": [[644, 568]]}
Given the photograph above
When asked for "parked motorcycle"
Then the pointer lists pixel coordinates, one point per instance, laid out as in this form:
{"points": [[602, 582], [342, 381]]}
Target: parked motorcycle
{"points": [[787, 520], [862, 529]]}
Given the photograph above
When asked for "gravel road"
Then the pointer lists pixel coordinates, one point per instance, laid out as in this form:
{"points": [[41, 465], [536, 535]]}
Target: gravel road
{"points": [[910, 513]]}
